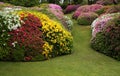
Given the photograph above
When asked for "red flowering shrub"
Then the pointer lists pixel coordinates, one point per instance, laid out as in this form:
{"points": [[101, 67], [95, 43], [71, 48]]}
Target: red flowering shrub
{"points": [[71, 8], [28, 36], [86, 8]]}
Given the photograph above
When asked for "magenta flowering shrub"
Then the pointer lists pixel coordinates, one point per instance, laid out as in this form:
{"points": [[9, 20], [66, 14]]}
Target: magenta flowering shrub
{"points": [[86, 18], [87, 8], [71, 8], [55, 7], [107, 35]]}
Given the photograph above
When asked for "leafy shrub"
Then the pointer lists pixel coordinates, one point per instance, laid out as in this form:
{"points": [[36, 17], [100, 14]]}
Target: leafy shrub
{"points": [[107, 39], [86, 18], [86, 8], [26, 3], [71, 8]]}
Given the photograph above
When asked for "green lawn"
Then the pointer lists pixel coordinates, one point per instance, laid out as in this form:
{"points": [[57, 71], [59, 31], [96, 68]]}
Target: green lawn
{"points": [[83, 62]]}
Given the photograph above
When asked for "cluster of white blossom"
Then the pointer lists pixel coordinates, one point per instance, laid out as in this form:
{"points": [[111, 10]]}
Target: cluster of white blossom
{"points": [[69, 22], [10, 20]]}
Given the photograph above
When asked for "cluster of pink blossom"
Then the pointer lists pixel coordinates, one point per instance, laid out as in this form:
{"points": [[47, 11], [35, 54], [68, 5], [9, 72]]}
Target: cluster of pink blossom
{"points": [[71, 8], [1, 3], [56, 10], [55, 6], [86, 8], [101, 22]]}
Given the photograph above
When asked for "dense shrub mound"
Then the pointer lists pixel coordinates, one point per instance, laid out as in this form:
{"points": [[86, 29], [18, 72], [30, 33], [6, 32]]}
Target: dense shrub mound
{"points": [[86, 18], [107, 2], [106, 35], [113, 9], [86, 8], [71, 8], [31, 36]]}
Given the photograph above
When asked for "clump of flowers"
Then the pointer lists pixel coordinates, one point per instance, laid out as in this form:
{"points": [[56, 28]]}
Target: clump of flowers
{"points": [[106, 38], [86, 8], [29, 36], [71, 8], [86, 18], [100, 22]]}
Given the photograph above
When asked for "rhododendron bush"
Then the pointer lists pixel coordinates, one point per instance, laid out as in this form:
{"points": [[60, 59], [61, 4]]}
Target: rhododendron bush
{"points": [[86, 8], [71, 8], [106, 35], [30, 36], [86, 18]]}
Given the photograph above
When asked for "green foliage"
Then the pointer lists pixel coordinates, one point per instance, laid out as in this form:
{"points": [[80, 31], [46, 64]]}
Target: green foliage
{"points": [[26, 3]]}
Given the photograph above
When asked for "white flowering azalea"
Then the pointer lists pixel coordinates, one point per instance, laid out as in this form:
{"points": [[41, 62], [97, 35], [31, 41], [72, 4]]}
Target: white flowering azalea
{"points": [[101, 21]]}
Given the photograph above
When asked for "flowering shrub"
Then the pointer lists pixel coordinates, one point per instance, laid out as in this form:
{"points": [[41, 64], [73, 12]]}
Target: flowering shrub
{"points": [[100, 22], [107, 37], [86, 18], [105, 2], [71, 8], [30, 36], [113, 9], [86, 8]]}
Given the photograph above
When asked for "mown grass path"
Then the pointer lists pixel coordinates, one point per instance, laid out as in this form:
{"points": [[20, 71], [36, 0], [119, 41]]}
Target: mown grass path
{"points": [[83, 62]]}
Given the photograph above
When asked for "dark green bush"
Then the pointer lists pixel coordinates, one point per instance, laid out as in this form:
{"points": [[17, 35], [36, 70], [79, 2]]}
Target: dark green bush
{"points": [[26, 3]]}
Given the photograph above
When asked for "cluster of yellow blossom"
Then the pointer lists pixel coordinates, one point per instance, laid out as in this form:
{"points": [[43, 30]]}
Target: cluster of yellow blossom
{"points": [[47, 50]]}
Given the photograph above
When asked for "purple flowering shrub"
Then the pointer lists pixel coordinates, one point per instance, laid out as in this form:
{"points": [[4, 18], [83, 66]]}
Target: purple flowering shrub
{"points": [[71, 8], [86, 8], [86, 18], [106, 38], [105, 2]]}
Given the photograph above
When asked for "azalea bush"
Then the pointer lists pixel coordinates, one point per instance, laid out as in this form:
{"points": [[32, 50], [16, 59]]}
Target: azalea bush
{"points": [[113, 9], [106, 2], [86, 18], [106, 35], [71, 8], [86, 8], [31, 36]]}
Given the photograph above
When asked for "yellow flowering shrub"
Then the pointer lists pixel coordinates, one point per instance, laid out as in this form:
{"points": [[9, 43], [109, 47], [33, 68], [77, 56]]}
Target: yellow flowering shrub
{"points": [[58, 41]]}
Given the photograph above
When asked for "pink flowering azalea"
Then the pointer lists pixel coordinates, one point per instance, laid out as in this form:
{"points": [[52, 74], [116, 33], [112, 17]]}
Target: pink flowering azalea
{"points": [[101, 22], [55, 6], [87, 8]]}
